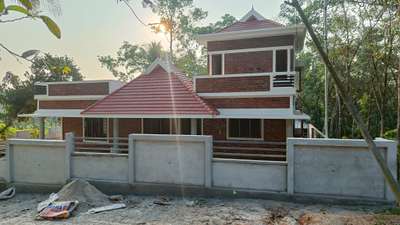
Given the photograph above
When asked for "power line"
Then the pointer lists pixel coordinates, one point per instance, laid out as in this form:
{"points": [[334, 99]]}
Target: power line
{"points": [[134, 13]]}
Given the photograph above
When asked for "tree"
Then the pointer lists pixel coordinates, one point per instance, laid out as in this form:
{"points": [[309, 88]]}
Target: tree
{"points": [[29, 9], [337, 76], [131, 59], [177, 17], [16, 94]]}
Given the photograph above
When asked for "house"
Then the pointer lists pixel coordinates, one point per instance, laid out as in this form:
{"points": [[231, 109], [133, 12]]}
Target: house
{"points": [[246, 102]]}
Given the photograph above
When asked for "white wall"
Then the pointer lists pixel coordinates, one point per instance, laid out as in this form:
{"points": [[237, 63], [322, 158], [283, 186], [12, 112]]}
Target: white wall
{"points": [[170, 159], [338, 167], [249, 174], [37, 161], [100, 166]]}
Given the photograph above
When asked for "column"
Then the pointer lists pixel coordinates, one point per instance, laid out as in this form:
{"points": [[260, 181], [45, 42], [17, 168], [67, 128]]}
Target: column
{"points": [[115, 134], [41, 128], [193, 126]]}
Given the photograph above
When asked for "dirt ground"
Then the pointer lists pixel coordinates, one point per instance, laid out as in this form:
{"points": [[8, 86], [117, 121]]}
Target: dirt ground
{"points": [[165, 210]]}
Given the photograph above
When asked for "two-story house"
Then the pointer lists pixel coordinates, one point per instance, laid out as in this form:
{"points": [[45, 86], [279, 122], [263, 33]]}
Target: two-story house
{"points": [[246, 102]]}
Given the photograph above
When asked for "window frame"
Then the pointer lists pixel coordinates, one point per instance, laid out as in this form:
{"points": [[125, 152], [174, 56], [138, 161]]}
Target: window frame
{"points": [[228, 137], [90, 139]]}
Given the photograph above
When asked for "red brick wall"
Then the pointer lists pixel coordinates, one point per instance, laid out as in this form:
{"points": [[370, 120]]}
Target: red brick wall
{"points": [[272, 102], [70, 104], [129, 126], [215, 127], [72, 125], [233, 84], [78, 89], [248, 62], [251, 43], [275, 130]]}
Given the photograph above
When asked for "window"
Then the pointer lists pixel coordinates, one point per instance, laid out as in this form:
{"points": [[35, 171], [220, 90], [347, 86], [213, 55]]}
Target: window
{"points": [[186, 126], [96, 127], [199, 127], [281, 60], [245, 128], [216, 64], [156, 126]]}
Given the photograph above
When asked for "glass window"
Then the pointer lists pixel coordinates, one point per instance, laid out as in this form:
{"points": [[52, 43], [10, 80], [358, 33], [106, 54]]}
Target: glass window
{"points": [[199, 126], [156, 126], [245, 128], [281, 61], [96, 127], [216, 64]]}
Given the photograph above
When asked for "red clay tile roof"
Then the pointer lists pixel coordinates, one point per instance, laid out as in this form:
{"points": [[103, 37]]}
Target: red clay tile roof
{"points": [[156, 93], [252, 24]]}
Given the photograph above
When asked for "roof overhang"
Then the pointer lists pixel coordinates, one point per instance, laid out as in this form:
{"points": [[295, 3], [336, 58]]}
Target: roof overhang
{"points": [[54, 113], [262, 114], [182, 116], [298, 30]]}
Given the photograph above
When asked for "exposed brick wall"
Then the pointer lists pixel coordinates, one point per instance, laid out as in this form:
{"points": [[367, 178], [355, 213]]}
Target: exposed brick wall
{"points": [[233, 84], [129, 126], [275, 130], [78, 89], [70, 104], [72, 125], [215, 127], [248, 62], [271, 102], [251, 43]]}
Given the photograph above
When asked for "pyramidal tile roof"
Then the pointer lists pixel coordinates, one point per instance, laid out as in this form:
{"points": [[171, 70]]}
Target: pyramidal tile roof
{"points": [[251, 21], [156, 92]]}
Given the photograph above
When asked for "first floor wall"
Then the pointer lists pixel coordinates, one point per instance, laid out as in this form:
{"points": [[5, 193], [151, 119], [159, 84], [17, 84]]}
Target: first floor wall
{"points": [[273, 130]]}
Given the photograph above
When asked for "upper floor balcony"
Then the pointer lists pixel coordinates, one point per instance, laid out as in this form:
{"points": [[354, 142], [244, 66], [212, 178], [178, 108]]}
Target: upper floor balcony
{"points": [[265, 71]]}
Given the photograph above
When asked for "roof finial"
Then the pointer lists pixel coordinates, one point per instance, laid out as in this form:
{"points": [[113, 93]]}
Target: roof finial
{"points": [[252, 7]]}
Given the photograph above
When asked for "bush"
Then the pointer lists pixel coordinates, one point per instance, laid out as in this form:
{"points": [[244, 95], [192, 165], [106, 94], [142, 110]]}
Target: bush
{"points": [[9, 132], [391, 134]]}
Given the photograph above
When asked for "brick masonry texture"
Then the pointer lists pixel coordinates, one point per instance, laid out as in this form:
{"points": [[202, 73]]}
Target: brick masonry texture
{"points": [[272, 102], [248, 62], [70, 104], [78, 89], [72, 125], [215, 127], [233, 84], [129, 126], [250, 43]]}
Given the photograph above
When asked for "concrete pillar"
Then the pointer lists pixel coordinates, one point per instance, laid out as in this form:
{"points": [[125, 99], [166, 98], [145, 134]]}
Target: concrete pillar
{"points": [[41, 128], [115, 135], [70, 149], [193, 127]]}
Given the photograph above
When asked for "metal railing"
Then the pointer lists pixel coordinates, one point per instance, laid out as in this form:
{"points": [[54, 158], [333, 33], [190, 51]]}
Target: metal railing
{"points": [[101, 145], [252, 150], [286, 79]]}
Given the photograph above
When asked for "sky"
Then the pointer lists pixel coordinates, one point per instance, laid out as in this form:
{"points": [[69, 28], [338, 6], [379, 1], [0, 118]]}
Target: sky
{"points": [[93, 28]]}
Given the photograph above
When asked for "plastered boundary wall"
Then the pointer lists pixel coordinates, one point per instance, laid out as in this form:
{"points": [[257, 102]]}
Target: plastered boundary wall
{"points": [[338, 167], [315, 167]]}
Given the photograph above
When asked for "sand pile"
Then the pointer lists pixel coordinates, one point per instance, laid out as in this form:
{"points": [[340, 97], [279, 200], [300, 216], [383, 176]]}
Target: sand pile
{"points": [[87, 195]]}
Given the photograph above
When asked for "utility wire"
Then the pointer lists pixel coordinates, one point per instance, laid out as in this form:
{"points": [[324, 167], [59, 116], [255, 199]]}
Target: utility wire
{"points": [[134, 13]]}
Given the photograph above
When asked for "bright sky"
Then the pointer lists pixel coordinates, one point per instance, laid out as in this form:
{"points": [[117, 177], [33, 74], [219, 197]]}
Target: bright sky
{"points": [[92, 28]]}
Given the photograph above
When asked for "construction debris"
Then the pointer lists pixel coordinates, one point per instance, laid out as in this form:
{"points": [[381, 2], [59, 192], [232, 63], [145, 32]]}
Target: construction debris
{"points": [[116, 198], [107, 208], [58, 210], [42, 205], [163, 201], [82, 191], [7, 194]]}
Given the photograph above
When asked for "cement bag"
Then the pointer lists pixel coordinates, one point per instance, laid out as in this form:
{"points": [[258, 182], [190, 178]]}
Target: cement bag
{"points": [[58, 210]]}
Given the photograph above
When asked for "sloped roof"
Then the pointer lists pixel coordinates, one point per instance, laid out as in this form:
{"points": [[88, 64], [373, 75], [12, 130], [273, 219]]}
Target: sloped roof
{"points": [[251, 21], [157, 93]]}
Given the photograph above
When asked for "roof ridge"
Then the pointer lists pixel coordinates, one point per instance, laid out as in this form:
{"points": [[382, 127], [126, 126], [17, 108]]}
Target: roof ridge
{"points": [[206, 106]]}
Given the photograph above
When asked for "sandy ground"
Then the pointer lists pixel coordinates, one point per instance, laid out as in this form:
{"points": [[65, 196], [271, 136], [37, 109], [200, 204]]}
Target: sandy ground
{"points": [[143, 210]]}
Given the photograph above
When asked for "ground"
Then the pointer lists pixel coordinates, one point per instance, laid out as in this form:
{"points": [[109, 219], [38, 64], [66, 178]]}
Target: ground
{"points": [[179, 210]]}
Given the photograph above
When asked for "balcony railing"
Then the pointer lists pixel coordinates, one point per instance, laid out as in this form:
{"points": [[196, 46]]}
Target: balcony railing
{"points": [[284, 80]]}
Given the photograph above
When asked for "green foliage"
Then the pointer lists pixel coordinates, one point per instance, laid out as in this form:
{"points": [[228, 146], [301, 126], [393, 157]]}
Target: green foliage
{"points": [[16, 94], [52, 26], [391, 134], [27, 8], [131, 59], [362, 47], [9, 132]]}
